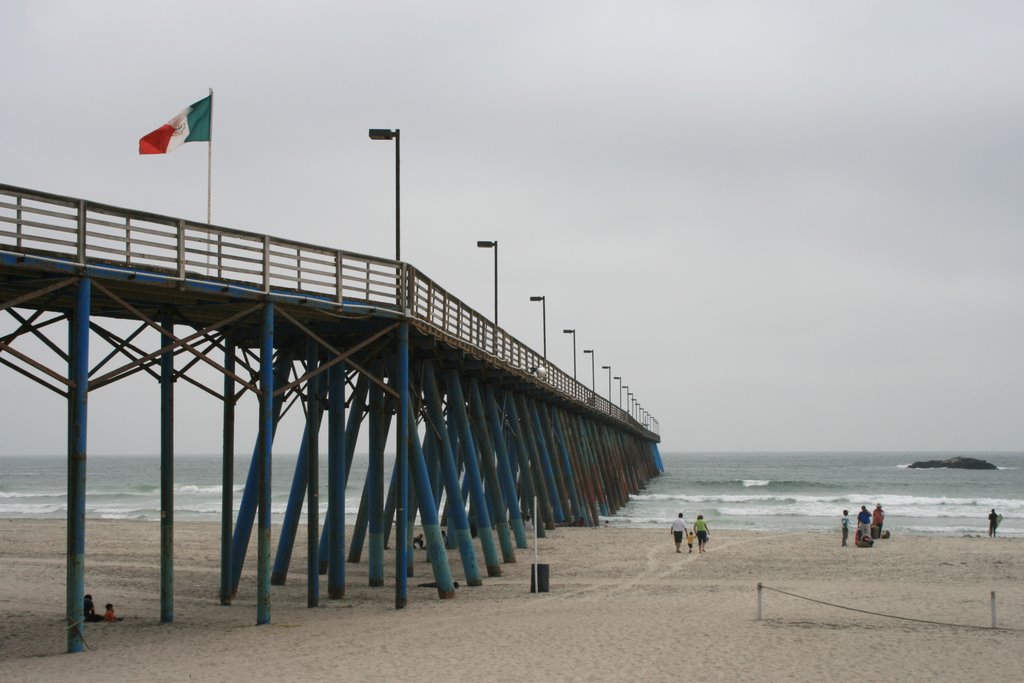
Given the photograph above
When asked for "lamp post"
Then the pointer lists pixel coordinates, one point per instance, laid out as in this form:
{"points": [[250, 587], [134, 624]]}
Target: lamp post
{"points": [[591, 352], [609, 369], [387, 134], [619, 404], [573, 333], [629, 401], [544, 320], [486, 244]]}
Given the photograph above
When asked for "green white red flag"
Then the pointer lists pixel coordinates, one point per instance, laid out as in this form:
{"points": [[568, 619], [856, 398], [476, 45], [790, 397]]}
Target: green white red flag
{"points": [[191, 125]]}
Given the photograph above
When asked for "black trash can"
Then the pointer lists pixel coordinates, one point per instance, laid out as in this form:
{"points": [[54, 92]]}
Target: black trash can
{"points": [[539, 574], [875, 532]]}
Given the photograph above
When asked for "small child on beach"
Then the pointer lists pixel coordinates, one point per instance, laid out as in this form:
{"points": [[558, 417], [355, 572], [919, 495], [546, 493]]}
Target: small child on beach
{"points": [[109, 614], [689, 540]]}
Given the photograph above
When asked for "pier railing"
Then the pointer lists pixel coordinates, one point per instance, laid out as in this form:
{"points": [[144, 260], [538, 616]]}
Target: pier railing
{"points": [[86, 233]]}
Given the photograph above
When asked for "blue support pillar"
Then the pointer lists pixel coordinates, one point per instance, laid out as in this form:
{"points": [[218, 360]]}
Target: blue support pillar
{"points": [[263, 468], [528, 473], [499, 511], [436, 552], [545, 461], [167, 475], [78, 374], [570, 476], [456, 504], [312, 477], [227, 473], [402, 467], [656, 454], [457, 409], [374, 491], [337, 477], [505, 477], [292, 513], [250, 494]]}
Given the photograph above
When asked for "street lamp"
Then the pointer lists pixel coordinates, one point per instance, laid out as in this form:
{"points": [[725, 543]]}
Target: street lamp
{"points": [[573, 333], [591, 352], [485, 244], [620, 391], [544, 319], [609, 369], [386, 134]]}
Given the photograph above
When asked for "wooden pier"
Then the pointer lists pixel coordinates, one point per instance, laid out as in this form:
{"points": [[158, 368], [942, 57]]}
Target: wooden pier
{"points": [[484, 428]]}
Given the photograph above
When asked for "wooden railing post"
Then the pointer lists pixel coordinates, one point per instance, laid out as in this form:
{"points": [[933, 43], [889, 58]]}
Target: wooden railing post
{"points": [[181, 249], [80, 249], [266, 264]]}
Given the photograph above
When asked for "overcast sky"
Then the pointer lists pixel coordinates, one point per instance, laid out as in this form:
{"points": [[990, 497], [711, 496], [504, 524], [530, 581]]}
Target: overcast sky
{"points": [[787, 226]]}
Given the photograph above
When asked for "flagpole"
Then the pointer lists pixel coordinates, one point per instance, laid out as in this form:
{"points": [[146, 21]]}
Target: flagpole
{"points": [[209, 166], [209, 185]]}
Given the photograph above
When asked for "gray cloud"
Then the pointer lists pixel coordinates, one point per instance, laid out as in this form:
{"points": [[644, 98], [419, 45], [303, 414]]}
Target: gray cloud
{"points": [[794, 226]]}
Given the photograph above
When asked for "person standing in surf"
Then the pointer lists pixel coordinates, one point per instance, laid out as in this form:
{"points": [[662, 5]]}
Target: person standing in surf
{"points": [[846, 526], [993, 523]]}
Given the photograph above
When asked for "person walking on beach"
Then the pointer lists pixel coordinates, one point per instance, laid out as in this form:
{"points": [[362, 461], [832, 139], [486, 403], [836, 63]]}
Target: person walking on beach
{"points": [[863, 523], [678, 529], [701, 527], [993, 523], [846, 526]]}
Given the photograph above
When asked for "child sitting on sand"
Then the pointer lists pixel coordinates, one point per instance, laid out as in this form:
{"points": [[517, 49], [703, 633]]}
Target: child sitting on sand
{"points": [[109, 614]]}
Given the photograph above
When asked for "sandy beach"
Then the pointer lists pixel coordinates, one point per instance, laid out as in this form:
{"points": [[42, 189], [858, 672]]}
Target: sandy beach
{"points": [[623, 605]]}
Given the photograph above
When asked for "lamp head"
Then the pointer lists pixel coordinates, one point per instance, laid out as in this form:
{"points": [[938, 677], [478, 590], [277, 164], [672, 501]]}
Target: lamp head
{"points": [[569, 331], [536, 298], [486, 244], [382, 134]]}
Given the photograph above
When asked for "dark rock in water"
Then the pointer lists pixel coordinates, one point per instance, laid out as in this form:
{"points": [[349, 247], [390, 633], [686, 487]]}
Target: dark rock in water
{"points": [[955, 463]]}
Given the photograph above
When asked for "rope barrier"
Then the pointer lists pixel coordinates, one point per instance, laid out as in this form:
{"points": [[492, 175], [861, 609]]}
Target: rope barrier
{"points": [[81, 634], [878, 614]]}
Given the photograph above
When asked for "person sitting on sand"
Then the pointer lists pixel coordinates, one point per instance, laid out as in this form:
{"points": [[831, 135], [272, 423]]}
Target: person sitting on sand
{"points": [[109, 614], [677, 531], [701, 527], [418, 542], [89, 611]]}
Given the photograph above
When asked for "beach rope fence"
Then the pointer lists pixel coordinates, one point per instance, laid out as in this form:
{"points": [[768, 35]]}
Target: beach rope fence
{"points": [[760, 608]]}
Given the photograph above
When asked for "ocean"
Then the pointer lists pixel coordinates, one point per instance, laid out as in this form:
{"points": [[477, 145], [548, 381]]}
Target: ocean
{"points": [[763, 492]]}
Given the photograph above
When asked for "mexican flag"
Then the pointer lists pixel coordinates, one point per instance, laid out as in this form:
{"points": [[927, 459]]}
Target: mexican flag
{"points": [[191, 125]]}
